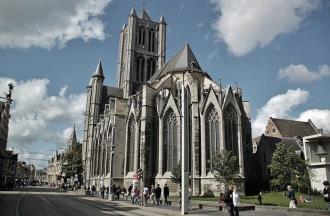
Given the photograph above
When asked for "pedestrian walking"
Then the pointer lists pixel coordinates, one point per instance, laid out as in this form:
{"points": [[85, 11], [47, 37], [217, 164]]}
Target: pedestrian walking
{"points": [[326, 193], [130, 188], [158, 192], [292, 197], [152, 194], [118, 191], [145, 195], [236, 201], [93, 190], [102, 189], [166, 193], [260, 198], [228, 199]]}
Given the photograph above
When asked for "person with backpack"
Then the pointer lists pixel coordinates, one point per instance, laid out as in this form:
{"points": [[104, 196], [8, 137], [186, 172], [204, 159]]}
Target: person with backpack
{"points": [[292, 197]]}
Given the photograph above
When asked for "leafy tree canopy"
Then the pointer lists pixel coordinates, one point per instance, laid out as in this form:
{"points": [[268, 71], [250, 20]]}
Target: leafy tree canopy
{"points": [[73, 162], [224, 167], [287, 168]]}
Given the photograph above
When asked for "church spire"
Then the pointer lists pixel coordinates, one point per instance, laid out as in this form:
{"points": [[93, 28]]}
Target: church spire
{"points": [[73, 139], [162, 19], [99, 70]]}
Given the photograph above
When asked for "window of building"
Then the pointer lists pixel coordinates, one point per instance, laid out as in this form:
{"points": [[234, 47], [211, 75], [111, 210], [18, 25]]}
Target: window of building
{"points": [[142, 36], [170, 149], [212, 134], [140, 69], [151, 67], [130, 145], [231, 137], [151, 47]]}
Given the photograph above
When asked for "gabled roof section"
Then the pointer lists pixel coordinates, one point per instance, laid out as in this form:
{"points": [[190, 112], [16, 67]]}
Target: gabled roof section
{"points": [[145, 15], [99, 71], [181, 61], [272, 142], [291, 128]]}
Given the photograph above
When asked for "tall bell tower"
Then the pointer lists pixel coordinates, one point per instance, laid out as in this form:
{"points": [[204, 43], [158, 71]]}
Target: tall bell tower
{"points": [[142, 48]]}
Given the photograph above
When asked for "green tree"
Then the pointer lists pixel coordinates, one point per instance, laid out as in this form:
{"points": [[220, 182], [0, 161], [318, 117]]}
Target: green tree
{"points": [[176, 174], [288, 168], [73, 162], [224, 167]]}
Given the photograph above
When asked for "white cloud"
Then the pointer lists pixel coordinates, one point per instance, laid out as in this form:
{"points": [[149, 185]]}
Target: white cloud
{"points": [[321, 118], [49, 23], [281, 105], [278, 106], [244, 25], [301, 74], [39, 117]]}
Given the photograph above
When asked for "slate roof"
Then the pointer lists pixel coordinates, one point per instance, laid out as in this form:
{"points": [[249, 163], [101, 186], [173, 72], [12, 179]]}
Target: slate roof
{"points": [[273, 141], [291, 128], [183, 60]]}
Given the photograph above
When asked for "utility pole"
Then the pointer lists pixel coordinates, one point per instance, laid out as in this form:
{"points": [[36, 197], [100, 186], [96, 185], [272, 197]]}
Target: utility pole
{"points": [[185, 174]]}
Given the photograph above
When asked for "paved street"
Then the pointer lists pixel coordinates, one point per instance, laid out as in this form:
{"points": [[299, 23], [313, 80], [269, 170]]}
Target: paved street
{"points": [[49, 202]]}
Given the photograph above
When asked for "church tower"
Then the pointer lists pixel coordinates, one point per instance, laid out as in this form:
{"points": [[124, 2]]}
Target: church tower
{"points": [[142, 48]]}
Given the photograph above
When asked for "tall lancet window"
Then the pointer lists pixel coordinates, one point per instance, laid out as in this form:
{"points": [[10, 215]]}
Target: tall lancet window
{"points": [[151, 67], [151, 47], [142, 37], [212, 126], [231, 137], [130, 145], [170, 149], [140, 69]]}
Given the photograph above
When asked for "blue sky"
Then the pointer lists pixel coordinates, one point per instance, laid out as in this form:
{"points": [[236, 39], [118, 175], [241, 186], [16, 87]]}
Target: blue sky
{"points": [[277, 51]]}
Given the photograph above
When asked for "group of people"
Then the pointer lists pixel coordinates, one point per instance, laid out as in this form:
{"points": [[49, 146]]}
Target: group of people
{"points": [[153, 193], [232, 200], [117, 191]]}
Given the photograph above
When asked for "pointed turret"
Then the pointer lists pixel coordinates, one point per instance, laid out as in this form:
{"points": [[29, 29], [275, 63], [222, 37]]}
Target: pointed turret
{"points": [[145, 15], [99, 70], [133, 12], [162, 19], [123, 28]]}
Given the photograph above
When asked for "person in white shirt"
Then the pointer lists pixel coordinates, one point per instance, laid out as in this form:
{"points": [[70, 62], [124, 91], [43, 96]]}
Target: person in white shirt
{"points": [[145, 194], [236, 201]]}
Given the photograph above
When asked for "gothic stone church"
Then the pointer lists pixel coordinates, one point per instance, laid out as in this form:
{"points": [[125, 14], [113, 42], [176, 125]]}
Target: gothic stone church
{"points": [[141, 116]]}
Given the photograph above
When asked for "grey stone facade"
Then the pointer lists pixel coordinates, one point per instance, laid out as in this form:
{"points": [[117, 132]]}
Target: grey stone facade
{"points": [[141, 117]]}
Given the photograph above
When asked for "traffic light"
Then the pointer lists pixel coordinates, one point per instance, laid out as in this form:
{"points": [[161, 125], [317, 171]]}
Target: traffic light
{"points": [[140, 173]]}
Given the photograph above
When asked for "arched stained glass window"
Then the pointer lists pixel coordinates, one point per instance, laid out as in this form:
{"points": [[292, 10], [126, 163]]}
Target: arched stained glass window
{"points": [[130, 145], [212, 126], [231, 137], [170, 149]]}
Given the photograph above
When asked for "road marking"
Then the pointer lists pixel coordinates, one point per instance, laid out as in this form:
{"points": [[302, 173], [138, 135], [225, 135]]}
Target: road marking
{"points": [[18, 205]]}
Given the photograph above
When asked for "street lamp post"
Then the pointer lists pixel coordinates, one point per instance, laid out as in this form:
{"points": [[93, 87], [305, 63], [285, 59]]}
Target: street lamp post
{"points": [[112, 151]]}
